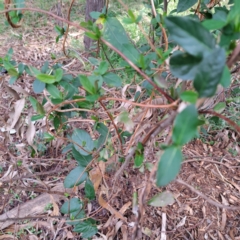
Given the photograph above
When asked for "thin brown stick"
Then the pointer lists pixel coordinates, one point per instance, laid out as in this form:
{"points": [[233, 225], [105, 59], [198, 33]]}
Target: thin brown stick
{"points": [[67, 30], [210, 161], [234, 57], [168, 97], [229, 121], [164, 124], [169, 106], [116, 129], [209, 200]]}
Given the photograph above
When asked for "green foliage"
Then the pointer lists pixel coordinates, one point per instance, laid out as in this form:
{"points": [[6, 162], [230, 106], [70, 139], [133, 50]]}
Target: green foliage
{"points": [[204, 47], [169, 165]]}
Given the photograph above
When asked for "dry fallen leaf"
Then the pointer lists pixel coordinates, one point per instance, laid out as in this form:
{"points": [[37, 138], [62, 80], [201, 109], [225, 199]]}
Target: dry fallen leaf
{"points": [[30, 131], [107, 206], [55, 211], [18, 107]]}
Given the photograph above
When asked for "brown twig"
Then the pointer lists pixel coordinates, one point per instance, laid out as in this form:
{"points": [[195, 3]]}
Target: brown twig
{"points": [[229, 121], [111, 118], [216, 204], [168, 97], [210, 161], [234, 56], [168, 106], [164, 124], [67, 30]]}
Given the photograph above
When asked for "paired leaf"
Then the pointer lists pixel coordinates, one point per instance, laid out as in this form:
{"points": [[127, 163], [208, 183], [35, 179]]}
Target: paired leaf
{"points": [[83, 160], [71, 206], [87, 84], [88, 228]]}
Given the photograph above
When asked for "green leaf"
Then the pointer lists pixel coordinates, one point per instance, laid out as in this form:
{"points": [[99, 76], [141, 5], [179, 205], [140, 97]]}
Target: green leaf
{"points": [[138, 160], [183, 5], [95, 15], [13, 72], [37, 117], [21, 68], [40, 109], [128, 21], [162, 199], [83, 139], [185, 126], [189, 96], [114, 33], [112, 79], [213, 24], [83, 160], [13, 79], [32, 71], [219, 108], [89, 190], [184, 65], [7, 65], [103, 67], [45, 67], [96, 81], [34, 102], [226, 77], [48, 137], [103, 130], [234, 12], [46, 78], [92, 98], [87, 228], [71, 206], [210, 73], [169, 165], [86, 83], [75, 177], [53, 90], [91, 35], [58, 74], [190, 35], [131, 15], [76, 215], [38, 86]]}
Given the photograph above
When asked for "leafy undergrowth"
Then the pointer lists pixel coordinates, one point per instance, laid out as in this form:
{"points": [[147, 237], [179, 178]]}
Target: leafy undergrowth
{"points": [[34, 182]]}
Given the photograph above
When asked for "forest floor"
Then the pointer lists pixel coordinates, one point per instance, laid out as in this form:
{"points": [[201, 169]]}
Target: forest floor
{"points": [[211, 166]]}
